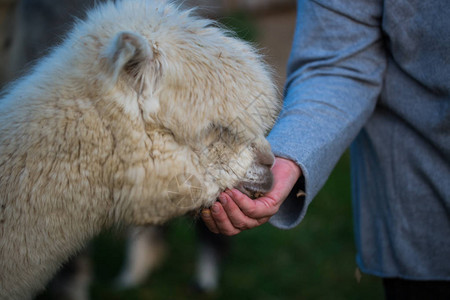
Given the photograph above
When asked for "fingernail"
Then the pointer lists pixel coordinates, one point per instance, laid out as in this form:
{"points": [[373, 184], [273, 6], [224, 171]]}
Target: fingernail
{"points": [[215, 208], [229, 193], [206, 212], [223, 199]]}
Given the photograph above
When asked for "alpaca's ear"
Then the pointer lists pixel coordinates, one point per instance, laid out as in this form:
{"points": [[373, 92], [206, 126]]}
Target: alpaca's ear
{"points": [[131, 55]]}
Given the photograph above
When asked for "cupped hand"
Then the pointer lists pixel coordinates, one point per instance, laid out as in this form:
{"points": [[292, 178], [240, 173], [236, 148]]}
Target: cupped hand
{"points": [[235, 212]]}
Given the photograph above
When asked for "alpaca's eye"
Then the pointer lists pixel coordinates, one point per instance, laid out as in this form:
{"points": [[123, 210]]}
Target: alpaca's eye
{"points": [[229, 135], [218, 134]]}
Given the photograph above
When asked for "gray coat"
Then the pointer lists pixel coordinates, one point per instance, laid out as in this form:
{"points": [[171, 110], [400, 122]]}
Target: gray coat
{"points": [[377, 71]]}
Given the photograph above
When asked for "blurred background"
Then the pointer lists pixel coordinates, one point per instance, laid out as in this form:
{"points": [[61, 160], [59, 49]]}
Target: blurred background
{"points": [[313, 261]]}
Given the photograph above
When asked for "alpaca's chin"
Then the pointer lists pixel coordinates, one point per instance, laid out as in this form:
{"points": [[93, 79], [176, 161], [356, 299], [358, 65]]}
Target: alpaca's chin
{"points": [[255, 189]]}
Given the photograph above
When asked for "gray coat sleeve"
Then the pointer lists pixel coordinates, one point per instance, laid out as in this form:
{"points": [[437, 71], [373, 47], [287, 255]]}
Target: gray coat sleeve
{"points": [[335, 73]]}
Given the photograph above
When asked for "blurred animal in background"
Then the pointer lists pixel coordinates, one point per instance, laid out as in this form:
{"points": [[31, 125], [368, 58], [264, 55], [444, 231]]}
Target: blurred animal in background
{"points": [[115, 48], [146, 249]]}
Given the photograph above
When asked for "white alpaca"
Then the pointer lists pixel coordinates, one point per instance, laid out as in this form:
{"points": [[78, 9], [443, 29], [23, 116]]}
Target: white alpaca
{"points": [[144, 113]]}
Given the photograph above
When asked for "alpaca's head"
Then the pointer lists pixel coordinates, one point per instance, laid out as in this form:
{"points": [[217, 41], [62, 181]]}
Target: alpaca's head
{"points": [[204, 96]]}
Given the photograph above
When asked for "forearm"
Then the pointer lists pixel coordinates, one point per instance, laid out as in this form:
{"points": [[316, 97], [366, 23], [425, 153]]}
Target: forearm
{"points": [[335, 75]]}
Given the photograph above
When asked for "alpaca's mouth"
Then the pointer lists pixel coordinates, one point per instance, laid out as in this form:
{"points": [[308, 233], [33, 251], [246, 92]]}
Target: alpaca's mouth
{"points": [[255, 189]]}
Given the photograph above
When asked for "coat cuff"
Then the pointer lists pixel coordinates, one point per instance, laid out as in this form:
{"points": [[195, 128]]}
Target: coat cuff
{"points": [[293, 209]]}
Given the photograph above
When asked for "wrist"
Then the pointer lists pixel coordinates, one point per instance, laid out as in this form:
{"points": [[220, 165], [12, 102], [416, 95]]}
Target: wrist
{"points": [[290, 166]]}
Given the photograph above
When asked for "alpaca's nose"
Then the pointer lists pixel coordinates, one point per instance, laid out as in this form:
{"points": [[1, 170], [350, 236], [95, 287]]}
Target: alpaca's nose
{"points": [[264, 155], [266, 158]]}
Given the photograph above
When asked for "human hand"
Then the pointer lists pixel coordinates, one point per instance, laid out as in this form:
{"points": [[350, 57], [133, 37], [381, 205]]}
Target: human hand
{"points": [[235, 212]]}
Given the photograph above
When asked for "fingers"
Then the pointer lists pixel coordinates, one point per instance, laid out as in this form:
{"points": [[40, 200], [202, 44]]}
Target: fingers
{"points": [[222, 223], [236, 216], [226, 217], [236, 212], [263, 207], [209, 221]]}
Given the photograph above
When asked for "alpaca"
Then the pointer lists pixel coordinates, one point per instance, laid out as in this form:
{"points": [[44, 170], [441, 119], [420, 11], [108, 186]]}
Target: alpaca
{"points": [[144, 112]]}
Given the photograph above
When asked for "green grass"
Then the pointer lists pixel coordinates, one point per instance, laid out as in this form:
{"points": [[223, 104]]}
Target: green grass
{"points": [[242, 25], [313, 261]]}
